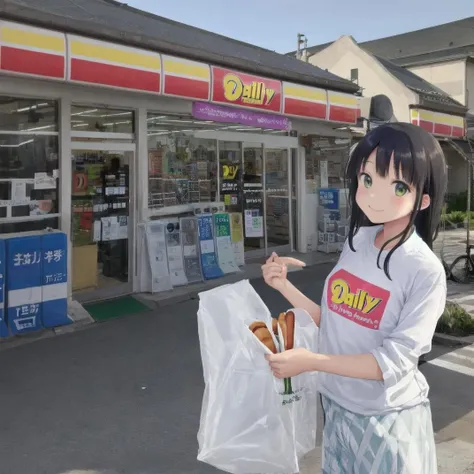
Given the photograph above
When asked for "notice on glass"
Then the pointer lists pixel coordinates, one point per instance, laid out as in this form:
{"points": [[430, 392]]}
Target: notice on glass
{"points": [[19, 191], [323, 166], [253, 224], [43, 181]]}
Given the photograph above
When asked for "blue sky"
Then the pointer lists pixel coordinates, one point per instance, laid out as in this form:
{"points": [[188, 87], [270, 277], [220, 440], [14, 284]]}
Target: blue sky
{"points": [[273, 24]]}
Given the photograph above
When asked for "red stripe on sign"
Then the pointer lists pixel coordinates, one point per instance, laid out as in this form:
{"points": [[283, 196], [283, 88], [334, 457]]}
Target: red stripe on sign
{"points": [[32, 62], [116, 76], [458, 132], [442, 129], [303, 108], [428, 126], [342, 114], [184, 87]]}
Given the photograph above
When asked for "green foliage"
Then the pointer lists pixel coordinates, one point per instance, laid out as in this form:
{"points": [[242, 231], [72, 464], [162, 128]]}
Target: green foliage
{"points": [[455, 321]]}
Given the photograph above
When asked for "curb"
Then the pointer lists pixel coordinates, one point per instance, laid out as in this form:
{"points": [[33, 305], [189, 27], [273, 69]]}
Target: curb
{"points": [[452, 341]]}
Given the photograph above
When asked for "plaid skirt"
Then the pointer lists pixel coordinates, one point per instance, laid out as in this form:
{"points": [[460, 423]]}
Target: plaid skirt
{"points": [[397, 443]]}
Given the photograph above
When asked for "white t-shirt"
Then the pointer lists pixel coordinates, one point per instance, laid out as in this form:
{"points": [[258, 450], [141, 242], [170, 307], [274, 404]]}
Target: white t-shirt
{"points": [[363, 311]]}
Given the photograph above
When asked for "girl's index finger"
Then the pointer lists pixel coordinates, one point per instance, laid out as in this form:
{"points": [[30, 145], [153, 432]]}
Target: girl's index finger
{"points": [[290, 261]]}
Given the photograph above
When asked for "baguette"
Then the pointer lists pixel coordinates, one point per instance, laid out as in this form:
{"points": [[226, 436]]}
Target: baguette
{"points": [[261, 332], [287, 325]]}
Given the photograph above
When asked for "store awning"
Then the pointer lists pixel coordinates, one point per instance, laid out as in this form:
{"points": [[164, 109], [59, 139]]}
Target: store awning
{"points": [[439, 124]]}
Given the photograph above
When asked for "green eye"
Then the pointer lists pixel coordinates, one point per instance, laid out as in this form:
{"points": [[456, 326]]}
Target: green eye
{"points": [[366, 180], [401, 189]]}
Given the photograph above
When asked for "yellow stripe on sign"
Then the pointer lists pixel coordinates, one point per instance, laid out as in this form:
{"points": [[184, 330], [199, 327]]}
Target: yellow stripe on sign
{"points": [[115, 55], [442, 118], [175, 66], [415, 115], [32, 39], [338, 99], [305, 93]]}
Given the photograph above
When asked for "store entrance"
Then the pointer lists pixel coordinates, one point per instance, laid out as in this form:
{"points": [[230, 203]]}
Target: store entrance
{"points": [[255, 181], [101, 219]]}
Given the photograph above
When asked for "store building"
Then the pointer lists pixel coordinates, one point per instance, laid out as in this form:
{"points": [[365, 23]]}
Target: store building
{"points": [[102, 131]]}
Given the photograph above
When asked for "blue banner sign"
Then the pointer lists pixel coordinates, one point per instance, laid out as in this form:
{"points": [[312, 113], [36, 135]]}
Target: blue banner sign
{"points": [[54, 291], [24, 282], [329, 198], [210, 266], [3, 319]]}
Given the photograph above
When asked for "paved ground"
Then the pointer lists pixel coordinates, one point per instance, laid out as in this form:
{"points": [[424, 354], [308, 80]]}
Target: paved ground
{"points": [[124, 397]]}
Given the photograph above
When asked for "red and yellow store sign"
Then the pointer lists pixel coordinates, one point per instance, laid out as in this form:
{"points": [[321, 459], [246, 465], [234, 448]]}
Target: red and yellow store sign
{"points": [[32, 51], [112, 65], [445, 125], [245, 90]]}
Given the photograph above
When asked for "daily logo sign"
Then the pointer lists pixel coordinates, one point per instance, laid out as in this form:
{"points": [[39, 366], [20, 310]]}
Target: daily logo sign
{"points": [[357, 300], [230, 87]]}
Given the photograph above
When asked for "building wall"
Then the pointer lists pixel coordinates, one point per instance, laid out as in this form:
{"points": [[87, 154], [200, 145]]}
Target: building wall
{"points": [[344, 55], [457, 182], [470, 85], [450, 77]]}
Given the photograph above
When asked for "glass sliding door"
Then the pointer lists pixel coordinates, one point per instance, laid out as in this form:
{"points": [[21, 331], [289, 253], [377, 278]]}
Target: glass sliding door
{"points": [[101, 218], [277, 199], [253, 200]]}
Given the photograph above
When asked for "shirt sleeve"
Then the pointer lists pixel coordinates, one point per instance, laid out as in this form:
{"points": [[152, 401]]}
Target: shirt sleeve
{"points": [[412, 337]]}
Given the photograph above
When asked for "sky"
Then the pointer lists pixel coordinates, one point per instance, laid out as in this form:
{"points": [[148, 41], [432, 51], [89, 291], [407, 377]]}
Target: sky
{"points": [[274, 24]]}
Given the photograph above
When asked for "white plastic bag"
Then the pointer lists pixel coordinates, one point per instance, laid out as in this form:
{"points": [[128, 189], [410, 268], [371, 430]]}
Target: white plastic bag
{"points": [[248, 425]]}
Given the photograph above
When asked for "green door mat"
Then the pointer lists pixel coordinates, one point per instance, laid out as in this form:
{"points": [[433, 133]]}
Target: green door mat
{"points": [[115, 308]]}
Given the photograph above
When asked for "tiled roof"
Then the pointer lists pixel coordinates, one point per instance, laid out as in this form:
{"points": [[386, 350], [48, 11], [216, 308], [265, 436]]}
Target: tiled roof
{"points": [[114, 21]]}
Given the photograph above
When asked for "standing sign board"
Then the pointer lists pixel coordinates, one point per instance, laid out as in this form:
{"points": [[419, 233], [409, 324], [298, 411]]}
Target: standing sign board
{"points": [[210, 267], [157, 257], [225, 251], [24, 283], [190, 246], [3, 319], [175, 253], [237, 237], [54, 290]]}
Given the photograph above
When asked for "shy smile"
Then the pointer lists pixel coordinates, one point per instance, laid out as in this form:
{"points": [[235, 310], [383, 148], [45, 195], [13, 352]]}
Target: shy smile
{"points": [[376, 210]]}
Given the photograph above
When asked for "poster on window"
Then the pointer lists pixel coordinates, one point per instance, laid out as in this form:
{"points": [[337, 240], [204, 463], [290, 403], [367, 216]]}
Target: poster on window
{"points": [[225, 250], [253, 224], [210, 266], [190, 246], [175, 253], [237, 237], [157, 257]]}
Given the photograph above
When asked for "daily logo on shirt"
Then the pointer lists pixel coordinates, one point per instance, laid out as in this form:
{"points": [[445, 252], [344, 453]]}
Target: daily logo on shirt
{"points": [[356, 299]]}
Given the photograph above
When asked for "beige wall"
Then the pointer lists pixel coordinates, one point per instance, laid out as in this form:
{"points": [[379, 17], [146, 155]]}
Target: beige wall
{"points": [[457, 171], [344, 55], [470, 85], [449, 77]]}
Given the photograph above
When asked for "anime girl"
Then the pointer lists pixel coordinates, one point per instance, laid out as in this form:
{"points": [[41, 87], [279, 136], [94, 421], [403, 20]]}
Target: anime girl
{"points": [[379, 309]]}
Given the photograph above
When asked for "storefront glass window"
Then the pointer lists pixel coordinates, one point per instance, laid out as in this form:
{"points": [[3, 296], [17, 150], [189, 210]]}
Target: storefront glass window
{"points": [[29, 164], [92, 119], [182, 168], [325, 161]]}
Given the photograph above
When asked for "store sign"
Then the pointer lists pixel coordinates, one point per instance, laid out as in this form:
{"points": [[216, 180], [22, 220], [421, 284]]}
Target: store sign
{"points": [[329, 198], [175, 253], [190, 245], [24, 284], [210, 267], [157, 256], [236, 88], [225, 250], [54, 291], [219, 113], [237, 237], [3, 322]]}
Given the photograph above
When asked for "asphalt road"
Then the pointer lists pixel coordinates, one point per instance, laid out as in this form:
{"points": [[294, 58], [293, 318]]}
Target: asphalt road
{"points": [[124, 397]]}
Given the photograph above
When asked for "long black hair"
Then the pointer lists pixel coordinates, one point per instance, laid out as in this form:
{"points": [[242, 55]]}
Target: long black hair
{"points": [[420, 161]]}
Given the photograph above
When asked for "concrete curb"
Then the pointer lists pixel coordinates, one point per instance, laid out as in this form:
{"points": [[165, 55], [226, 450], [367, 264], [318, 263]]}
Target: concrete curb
{"points": [[452, 341]]}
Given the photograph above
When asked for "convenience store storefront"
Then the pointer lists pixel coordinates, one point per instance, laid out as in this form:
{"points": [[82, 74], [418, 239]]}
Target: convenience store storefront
{"points": [[98, 139]]}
